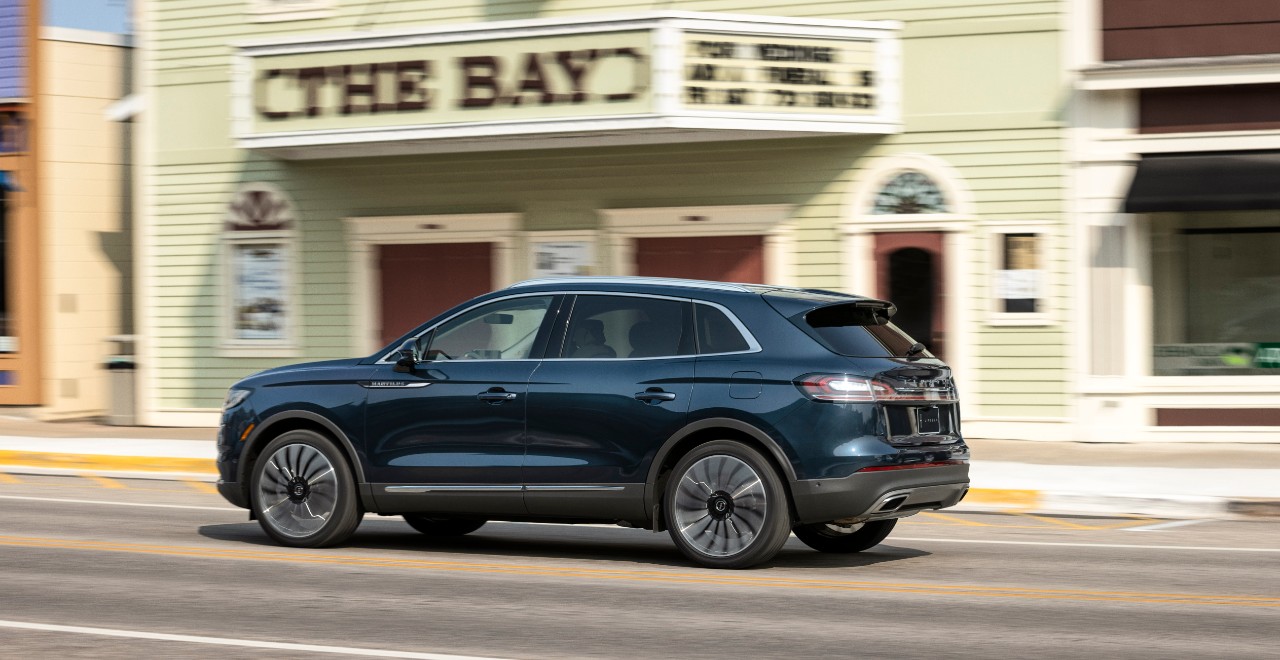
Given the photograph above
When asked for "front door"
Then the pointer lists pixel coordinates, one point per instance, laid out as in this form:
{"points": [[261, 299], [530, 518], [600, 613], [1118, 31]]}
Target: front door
{"points": [[416, 281], [909, 273], [598, 415], [449, 436]]}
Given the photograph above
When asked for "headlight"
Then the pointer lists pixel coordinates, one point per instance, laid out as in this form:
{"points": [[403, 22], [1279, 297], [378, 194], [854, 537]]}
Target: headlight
{"points": [[234, 398]]}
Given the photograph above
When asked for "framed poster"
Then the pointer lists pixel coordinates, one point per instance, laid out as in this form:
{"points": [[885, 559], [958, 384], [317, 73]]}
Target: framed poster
{"points": [[561, 258], [260, 274]]}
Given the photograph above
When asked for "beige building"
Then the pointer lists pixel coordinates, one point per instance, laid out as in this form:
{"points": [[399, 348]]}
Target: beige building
{"points": [[67, 265]]}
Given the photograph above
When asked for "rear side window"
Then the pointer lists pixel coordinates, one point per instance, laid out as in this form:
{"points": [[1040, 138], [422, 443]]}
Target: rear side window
{"points": [[858, 332], [716, 333]]}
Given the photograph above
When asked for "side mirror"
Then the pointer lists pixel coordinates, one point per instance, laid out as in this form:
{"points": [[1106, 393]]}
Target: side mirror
{"points": [[408, 356]]}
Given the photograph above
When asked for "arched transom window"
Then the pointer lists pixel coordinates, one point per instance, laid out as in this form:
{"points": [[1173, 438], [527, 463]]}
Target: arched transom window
{"points": [[910, 192]]}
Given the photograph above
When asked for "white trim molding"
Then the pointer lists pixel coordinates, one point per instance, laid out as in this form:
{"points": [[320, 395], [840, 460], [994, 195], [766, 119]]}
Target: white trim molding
{"points": [[773, 221], [859, 227], [366, 233], [1182, 72]]}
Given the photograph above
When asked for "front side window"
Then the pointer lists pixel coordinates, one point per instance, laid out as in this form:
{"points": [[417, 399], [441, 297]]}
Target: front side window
{"points": [[1216, 294], [504, 330], [609, 327]]}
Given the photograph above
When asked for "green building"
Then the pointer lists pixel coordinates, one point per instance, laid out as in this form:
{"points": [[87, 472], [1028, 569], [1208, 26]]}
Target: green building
{"points": [[319, 176]]}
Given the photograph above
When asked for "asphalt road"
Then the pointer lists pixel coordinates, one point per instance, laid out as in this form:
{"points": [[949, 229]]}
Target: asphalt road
{"points": [[109, 568]]}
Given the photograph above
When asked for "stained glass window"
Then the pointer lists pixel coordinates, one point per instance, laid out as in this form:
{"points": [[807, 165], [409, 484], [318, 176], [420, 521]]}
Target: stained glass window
{"points": [[910, 192]]}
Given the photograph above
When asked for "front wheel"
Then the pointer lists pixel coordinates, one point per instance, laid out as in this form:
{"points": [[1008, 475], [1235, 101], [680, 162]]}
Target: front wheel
{"points": [[442, 526], [726, 507], [303, 493], [830, 537]]}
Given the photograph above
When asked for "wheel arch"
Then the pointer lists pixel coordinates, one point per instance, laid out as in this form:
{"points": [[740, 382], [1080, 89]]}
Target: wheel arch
{"points": [[702, 432], [294, 420]]}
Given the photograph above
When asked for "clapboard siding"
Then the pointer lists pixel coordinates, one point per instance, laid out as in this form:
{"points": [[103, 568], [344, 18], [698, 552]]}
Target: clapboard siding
{"points": [[1008, 149]]}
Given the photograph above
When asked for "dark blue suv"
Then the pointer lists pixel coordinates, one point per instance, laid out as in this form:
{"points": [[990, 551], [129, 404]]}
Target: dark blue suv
{"points": [[729, 414]]}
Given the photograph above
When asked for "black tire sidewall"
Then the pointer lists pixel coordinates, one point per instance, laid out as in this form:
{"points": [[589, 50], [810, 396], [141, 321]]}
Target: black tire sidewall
{"points": [[777, 521], [868, 536], [346, 514]]}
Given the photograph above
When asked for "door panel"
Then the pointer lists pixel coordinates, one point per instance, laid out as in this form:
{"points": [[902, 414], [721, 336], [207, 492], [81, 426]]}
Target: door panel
{"points": [[419, 280], [596, 422], [724, 258], [456, 423]]}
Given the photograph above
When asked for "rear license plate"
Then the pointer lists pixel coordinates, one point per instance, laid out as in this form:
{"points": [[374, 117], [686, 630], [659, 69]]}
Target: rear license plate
{"points": [[928, 420]]}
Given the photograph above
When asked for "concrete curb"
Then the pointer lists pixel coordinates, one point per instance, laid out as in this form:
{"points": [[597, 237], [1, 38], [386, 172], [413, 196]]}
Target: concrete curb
{"points": [[1060, 502]]}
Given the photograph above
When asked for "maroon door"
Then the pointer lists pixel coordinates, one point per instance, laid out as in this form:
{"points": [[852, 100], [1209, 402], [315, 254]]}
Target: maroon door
{"points": [[724, 258], [909, 271], [417, 281]]}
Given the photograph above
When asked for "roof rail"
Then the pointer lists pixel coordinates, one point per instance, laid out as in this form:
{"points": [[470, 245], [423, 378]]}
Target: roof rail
{"points": [[648, 281]]}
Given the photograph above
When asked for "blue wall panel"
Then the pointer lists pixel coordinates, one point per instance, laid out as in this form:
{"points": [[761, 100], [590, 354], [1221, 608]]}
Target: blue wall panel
{"points": [[13, 56]]}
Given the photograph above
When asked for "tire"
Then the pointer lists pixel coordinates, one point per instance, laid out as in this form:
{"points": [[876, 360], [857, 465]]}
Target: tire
{"points": [[302, 491], [828, 537], [442, 527], [726, 507]]}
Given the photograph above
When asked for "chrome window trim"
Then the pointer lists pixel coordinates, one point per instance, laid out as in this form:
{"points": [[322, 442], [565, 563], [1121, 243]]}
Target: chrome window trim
{"points": [[647, 281], [753, 346]]}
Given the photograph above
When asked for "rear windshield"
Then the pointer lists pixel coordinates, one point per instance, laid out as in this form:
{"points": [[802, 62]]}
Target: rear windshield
{"points": [[858, 331]]}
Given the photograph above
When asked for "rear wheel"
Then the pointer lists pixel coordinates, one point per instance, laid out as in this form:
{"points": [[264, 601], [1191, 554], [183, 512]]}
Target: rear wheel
{"points": [[442, 526], [830, 537], [302, 491], [726, 507]]}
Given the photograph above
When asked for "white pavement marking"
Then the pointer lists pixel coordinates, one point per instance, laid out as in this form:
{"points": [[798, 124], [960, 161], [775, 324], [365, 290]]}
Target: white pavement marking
{"points": [[143, 504], [226, 641], [1124, 546], [1164, 525]]}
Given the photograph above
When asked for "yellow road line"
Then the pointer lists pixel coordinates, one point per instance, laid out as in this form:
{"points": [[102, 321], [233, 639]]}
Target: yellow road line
{"points": [[1017, 499], [713, 578], [6, 478], [200, 486], [105, 482], [104, 462]]}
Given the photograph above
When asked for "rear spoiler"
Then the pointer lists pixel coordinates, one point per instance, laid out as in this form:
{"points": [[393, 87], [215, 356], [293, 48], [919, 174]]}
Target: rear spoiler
{"points": [[860, 312]]}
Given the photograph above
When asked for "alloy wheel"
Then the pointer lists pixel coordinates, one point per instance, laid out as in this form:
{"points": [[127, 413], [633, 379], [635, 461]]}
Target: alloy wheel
{"points": [[298, 490], [720, 506]]}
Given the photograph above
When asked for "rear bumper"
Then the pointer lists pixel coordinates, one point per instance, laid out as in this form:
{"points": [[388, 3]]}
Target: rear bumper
{"points": [[874, 495], [233, 493]]}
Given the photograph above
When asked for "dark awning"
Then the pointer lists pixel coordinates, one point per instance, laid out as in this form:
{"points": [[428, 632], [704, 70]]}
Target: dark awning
{"points": [[1207, 181]]}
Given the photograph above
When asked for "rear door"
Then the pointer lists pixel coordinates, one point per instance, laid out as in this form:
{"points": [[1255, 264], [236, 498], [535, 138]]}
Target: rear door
{"points": [[597, 415]]}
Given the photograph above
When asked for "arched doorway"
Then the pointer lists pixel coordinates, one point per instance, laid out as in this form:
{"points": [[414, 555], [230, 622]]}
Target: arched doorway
{"points": [[910, 274]]}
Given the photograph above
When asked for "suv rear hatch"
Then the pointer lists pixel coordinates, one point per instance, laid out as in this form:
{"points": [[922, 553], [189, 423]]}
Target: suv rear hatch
{"points": [[915, 391]]}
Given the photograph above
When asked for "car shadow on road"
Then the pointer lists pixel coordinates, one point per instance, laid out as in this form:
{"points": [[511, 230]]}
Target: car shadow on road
{"points": [[559, 542]]}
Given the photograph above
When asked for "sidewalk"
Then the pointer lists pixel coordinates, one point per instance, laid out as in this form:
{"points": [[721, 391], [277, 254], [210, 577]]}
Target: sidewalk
{"points": [[1175, 480]]}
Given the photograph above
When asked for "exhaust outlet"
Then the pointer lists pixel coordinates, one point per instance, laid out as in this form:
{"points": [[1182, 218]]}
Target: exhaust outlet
{"points": [[892, 503]]}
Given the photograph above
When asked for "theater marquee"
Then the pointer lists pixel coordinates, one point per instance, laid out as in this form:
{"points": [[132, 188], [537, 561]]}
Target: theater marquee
{"points": [[673, 76]]}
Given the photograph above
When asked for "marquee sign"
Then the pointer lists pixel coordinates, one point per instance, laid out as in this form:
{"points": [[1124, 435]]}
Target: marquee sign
{"points": [[671, 76]]}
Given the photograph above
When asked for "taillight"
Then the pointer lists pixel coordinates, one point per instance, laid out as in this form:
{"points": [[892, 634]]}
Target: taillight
{"points": [[856, 389]]}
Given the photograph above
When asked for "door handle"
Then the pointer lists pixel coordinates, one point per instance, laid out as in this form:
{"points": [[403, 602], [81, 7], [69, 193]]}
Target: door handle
{"points": [[496, 395], [653, 395]]}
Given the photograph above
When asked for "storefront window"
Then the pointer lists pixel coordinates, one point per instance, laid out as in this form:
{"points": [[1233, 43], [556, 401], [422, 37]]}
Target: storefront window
{"points": [[1216, 294]]}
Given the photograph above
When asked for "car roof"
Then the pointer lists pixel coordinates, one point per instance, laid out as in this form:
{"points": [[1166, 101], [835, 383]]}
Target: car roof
{"points": [[698, 288]]}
